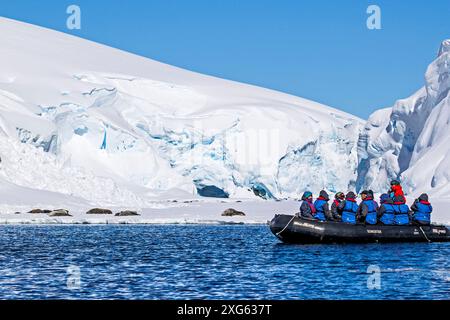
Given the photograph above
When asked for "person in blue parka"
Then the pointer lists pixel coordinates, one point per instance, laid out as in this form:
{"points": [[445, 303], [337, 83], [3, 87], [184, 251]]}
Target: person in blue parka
{"points": [[386, 210], [367, 210], [323, 212], [401, 211], [348, 208], [422, 210]]}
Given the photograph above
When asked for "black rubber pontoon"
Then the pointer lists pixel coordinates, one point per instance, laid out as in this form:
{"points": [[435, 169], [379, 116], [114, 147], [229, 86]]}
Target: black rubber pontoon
{"points": [[292, 229]]}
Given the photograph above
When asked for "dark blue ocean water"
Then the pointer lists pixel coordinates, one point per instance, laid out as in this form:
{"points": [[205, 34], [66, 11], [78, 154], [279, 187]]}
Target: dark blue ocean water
{"points": [[209, 262]]}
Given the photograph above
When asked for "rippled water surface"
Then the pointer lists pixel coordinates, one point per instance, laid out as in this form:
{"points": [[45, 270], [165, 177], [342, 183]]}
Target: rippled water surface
{"points": [[209, 262]]}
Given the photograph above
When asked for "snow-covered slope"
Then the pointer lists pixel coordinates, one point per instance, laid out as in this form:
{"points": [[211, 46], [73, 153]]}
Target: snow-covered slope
{"points": [[410, 141], [108, 126]]}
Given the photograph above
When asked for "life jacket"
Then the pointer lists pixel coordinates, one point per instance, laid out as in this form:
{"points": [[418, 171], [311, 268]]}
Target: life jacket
{"points": [[401, 211], [311, 206], [371, 217], [320, 213], [423, 213], [388, 215], [349, 212]]}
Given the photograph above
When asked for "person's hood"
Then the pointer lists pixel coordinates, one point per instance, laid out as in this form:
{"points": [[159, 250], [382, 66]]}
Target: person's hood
{"points": [[350, 195], [423, 197], [323, 194], [306, 195], [384, 197]]}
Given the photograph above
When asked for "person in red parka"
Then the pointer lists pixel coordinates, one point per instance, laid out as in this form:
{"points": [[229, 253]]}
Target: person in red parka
{"points": [[396, 191]]}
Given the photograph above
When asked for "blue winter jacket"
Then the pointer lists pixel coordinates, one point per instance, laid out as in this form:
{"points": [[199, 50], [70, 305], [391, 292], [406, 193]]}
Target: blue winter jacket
{"points": [[422, 212], [371, 215], [401, 211], [320, 212], [349, 211], [387, 213]]}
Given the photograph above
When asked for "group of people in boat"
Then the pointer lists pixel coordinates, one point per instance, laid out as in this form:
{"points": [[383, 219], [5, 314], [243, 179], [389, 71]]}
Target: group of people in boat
{"points": [[391, 210]]}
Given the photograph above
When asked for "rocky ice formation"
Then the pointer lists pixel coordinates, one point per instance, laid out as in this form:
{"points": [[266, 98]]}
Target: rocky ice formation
{"points": [[410, 141]]}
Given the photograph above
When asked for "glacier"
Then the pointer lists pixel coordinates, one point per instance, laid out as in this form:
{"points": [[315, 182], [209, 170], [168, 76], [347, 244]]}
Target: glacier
{"points": [[108, 127], [410, 140], [84, 124]]}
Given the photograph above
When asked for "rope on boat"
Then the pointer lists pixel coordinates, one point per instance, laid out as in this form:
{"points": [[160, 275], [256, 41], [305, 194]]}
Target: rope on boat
{"points": [[423, 232], [278, 233]]}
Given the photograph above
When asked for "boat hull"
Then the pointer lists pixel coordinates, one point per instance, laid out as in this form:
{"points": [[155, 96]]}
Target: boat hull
{"points": [[292, 229]]}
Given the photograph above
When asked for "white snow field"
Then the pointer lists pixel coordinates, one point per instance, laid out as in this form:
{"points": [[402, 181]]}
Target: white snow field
{"points": [[112, 128], [83, 125], [200, 211]]}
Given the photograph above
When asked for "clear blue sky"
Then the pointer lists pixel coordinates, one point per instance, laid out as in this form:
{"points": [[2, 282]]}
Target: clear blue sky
{"points": [[317, 49]]}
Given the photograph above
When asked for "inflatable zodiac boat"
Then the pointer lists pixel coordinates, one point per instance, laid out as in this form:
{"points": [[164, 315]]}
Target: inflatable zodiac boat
{"points": [[293, 229]]}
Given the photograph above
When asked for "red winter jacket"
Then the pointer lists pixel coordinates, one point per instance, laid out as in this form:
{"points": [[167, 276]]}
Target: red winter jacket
{"points": [[398, 191]]}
